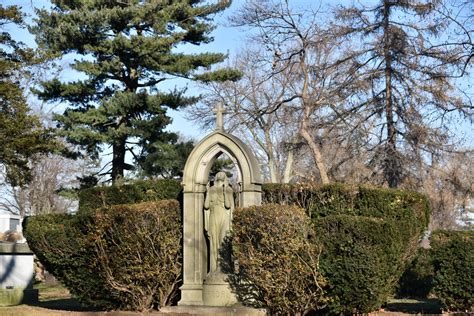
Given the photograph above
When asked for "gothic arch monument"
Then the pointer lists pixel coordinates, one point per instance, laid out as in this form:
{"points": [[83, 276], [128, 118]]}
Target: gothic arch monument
{"points": [[196, 290]]}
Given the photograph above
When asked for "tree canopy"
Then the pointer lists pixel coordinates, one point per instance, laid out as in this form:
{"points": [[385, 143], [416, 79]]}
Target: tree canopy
{"points": [[377, 80], [128, 49], [399, 50], [22, 134]]}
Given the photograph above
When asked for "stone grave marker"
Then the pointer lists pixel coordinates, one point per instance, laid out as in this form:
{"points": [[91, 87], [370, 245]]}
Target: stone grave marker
{"points": [[207, 214]]}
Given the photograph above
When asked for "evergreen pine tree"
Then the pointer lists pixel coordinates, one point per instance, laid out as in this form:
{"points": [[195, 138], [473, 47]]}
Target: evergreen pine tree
{"points": [[22, 135], [128, 50]]}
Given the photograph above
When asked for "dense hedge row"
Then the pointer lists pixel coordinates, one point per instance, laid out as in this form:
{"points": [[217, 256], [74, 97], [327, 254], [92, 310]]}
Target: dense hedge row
{"points": [[368, 236], [343, 199], [278, 264], [362, 258], [135, 192], [361, 240], [119, 257], [59, 241], [452, 254]]}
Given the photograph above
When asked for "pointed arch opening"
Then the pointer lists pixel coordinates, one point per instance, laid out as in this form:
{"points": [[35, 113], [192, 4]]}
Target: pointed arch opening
{"points": [[195, 181]]}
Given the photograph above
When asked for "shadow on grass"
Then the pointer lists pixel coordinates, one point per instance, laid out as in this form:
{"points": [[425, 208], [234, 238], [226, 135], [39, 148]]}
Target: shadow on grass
{"points": [[65, 304], [411, 306], [55, 296]]}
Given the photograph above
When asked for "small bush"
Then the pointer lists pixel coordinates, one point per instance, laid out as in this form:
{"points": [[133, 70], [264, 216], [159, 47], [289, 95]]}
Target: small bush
{"points": [[119, 257], [135, 192], [453, 261], [59, 241], [277, 262]]}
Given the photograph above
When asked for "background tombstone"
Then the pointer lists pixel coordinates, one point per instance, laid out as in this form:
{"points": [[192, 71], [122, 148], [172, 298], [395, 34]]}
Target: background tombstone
{"points": [[195, 180], [16, 264]]}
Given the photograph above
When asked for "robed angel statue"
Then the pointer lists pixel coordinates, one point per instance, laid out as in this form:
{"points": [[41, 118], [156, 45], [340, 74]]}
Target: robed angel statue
{"points": [[218, 209]]}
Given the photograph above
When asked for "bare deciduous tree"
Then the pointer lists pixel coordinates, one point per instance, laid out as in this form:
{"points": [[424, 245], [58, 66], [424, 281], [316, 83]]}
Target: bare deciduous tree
{"points": [[297, 47], [246, 102], [449, 184], [398, 48], [374, 95], [51, 173]]}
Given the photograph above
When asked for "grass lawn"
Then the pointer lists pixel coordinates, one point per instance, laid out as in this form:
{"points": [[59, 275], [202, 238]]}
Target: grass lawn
{"points": [[56, 300], [53, 300]]}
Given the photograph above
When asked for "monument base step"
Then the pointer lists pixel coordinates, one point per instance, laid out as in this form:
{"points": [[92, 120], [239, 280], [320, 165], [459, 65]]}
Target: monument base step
{"points": [[237, 310]]}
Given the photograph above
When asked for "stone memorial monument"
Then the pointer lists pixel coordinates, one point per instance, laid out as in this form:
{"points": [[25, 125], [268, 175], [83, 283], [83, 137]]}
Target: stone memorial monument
{"points": [[207, 214]]}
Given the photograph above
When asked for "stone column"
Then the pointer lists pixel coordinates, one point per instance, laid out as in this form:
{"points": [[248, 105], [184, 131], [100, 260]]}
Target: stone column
{"points": [[194, 247]]}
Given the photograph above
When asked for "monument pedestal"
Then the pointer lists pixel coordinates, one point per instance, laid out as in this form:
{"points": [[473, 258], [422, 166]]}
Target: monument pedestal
{"points": [[191, 295], [235, 310], [216, 290]]}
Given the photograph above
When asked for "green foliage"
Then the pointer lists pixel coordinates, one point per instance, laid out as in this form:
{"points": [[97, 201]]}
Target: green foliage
{"points": [[417, 279], [278, 265], [443, 271], [223, 163], [60, 243], [119, 257], [344, 199], [166, 160], [135, 192], [362, 258], [453, 261], [368, 236], [129, 50], [21, 133]]}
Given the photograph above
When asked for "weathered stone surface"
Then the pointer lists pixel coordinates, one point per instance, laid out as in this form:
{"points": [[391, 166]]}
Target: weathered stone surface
{"points": [[195, 181], [16, 271], [235, 310], [15, 248], [218, 209], [216, 290]]}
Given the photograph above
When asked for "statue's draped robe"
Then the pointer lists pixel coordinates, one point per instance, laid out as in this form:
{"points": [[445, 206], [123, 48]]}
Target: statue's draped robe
{"points": [[218, 217]]}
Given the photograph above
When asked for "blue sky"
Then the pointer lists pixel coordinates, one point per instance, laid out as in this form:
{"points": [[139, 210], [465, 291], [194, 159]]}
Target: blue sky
{"points": [[226, 40]]}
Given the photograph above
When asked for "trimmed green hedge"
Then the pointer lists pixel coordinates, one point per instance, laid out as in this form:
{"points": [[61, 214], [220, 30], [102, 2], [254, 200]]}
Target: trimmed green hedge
{"points": [[135, 192], [362, 258], [344, 199], [59, 242], [368, 236], [453, 262], [107, 256], [119, 257], [278, 264]]}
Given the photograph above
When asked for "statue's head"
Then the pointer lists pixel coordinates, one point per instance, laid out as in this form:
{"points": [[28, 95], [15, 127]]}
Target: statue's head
{"points": [[221, 176]]}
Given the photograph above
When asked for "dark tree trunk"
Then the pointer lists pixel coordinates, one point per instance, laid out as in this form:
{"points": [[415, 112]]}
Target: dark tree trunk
{"points": [[118, 160], [390, 157]]}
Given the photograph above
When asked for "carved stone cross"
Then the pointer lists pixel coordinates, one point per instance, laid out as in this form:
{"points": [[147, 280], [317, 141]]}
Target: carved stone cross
{"points": [[220, 111]]}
